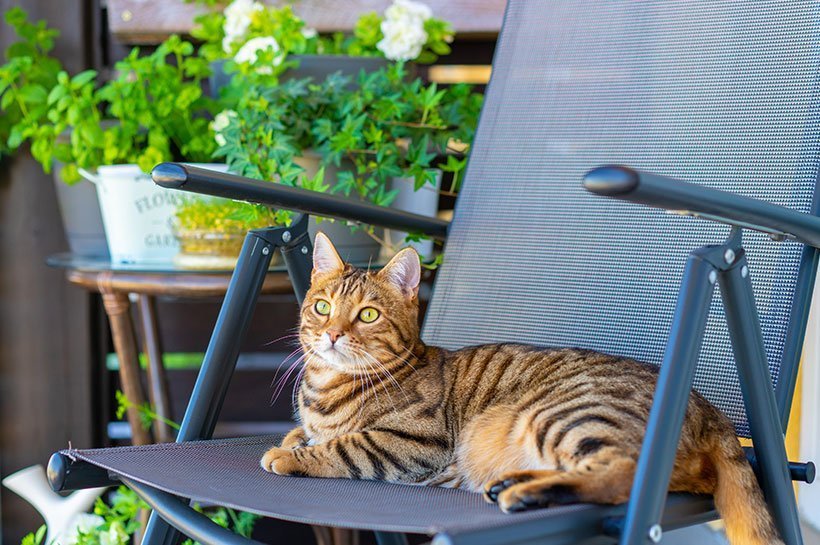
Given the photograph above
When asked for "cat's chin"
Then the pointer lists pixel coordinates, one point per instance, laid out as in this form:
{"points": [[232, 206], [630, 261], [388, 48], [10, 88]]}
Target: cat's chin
{"points": [[336, 361]]}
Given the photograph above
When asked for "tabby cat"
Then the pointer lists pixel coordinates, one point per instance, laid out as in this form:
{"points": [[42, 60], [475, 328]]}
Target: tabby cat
{"points": [[530, 427]]}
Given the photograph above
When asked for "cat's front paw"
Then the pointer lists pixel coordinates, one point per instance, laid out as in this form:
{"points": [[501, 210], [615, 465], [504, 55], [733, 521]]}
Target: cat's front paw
{"points": [[281, 461], [297, 438]]}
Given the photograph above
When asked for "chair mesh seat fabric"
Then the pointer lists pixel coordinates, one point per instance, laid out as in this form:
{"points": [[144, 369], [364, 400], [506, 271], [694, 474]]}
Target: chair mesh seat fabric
{"points": [[719, 93], [227, 472]]}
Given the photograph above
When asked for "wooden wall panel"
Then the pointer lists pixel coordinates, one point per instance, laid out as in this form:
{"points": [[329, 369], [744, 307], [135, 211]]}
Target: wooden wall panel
{"points": [[45, 353]]}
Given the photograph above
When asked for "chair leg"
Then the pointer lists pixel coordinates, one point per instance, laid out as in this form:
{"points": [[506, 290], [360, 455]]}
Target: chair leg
{"points": [[231, 324], [220, 359], [649, 490], [758, 394]]}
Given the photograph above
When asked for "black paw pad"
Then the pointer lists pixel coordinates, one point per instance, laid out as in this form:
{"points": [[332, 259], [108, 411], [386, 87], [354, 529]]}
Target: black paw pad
{"points": [[493, 491]]}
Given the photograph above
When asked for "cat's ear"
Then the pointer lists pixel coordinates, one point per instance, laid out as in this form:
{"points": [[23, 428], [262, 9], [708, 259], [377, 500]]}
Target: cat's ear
{"points": [[325, 257], [404, 271]]}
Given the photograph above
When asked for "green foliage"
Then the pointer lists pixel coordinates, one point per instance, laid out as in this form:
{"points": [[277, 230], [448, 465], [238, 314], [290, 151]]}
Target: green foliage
{"points": [[223, 216], [208, 29], [389, 127], [25, 80], [147, 415], [239, 522], [120, 520], [35, 538], [372, 130], [152, 111]]}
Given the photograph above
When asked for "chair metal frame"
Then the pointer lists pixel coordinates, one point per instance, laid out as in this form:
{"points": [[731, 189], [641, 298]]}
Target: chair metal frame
{"points": [[724, 263]]}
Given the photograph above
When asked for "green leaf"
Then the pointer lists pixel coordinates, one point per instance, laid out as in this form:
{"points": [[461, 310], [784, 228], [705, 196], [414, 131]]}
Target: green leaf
{"points": [[6, 101], [15, 137], [70, 176], [57, 92], [149, 159], [40, 534], [33, 93], [82, 78]]}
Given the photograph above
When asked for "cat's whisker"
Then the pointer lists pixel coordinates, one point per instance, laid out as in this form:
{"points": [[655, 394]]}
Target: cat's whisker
{"points": [[296, 383], [283, 381], [366, 375], [288, 336], [299, 376], [387, 372], [280, 385], [378, 376], [284, 362]]}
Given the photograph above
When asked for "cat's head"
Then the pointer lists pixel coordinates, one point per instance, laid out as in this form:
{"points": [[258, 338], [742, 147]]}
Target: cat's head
{"points": [[352, 319]]}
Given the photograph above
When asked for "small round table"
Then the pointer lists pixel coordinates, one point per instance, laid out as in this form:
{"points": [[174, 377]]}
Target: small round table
{"points": [[117, 283]]}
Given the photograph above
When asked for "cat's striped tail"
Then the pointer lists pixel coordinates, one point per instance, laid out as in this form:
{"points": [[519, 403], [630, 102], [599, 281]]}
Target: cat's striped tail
{"points": [[739, 500]]}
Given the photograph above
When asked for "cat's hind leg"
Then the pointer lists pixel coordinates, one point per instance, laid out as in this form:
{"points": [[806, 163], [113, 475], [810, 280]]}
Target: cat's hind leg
{"points": [[493, 444], [605, 477]]}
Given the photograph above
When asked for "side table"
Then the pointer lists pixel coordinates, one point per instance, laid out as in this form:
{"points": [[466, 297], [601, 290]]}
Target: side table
{"points": [[117, 283]]}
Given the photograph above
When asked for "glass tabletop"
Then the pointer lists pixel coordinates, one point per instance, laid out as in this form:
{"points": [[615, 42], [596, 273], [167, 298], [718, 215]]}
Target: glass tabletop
{"points": [[71, 261]]}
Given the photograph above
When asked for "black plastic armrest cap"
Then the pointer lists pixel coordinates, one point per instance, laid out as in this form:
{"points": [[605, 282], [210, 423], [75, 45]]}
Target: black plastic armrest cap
{"points": [[169, 175], [611, 180]]}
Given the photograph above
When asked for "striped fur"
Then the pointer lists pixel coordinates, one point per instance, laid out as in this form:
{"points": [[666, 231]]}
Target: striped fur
{"points": [[529, 427]]}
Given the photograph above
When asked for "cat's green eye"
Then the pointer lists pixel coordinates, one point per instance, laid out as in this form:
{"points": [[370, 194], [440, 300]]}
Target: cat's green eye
{"points": [[368, 315], [322, 307]]}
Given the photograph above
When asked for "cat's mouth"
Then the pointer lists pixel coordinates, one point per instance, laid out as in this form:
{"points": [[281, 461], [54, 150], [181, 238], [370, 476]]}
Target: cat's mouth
{"points": [[335, 356]]}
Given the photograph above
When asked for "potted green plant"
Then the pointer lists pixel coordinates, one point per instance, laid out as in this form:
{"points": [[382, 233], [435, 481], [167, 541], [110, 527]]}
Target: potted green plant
{"points": [[26, 77], [398, 136], [368, 139], [153, 110], [237, 36]]}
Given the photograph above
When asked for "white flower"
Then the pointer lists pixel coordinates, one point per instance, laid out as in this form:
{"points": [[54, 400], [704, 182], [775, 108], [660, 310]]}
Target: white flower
{"points": [[408, 9], [403, 30], [220, 123], [309, 33], [227, 44], [249, 53], [81, 523], [237, 20], [403, 39]]}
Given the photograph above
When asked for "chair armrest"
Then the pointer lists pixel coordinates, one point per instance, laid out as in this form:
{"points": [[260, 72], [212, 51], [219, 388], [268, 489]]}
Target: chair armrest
{"points": [[701, 201], [231, 186]]}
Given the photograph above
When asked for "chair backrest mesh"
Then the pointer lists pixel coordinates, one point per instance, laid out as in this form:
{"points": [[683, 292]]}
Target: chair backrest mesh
{"points": [[719, 93]]}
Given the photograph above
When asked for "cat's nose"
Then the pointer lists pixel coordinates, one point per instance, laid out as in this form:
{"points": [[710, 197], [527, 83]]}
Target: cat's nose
{"points": [[334, 335]]}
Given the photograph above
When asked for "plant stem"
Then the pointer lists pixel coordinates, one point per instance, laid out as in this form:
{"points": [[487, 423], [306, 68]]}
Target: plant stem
{"points": [[20, 102], [419, 125]]}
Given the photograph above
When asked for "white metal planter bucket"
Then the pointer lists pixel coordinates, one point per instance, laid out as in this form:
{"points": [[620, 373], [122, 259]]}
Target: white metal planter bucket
{"points": [[138, 214]]}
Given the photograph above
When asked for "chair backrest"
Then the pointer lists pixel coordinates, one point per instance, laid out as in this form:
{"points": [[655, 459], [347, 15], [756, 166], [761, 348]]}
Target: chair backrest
{"points": [[719, 93]]}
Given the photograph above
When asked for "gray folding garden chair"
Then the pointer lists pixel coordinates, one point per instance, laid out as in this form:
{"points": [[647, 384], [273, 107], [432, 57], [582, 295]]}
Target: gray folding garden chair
{"points": [[724, 95]]}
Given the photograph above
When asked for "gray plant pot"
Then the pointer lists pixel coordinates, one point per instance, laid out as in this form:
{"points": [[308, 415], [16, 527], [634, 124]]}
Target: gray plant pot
{"points": [[353, 244], [82, 221], [424, 202], [317, 67]]}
